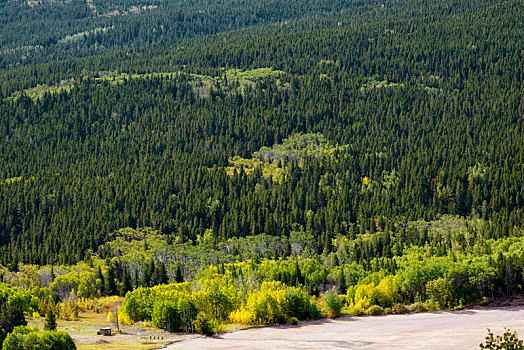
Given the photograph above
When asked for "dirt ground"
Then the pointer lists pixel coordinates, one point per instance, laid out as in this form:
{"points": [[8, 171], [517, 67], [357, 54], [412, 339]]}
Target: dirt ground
{"points": [[464, 329], [83, 331]]}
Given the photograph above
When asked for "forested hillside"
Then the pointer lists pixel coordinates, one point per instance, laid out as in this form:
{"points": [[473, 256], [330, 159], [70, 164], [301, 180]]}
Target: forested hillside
{"points": [[35, 31], [422, 118], [296, 146]]}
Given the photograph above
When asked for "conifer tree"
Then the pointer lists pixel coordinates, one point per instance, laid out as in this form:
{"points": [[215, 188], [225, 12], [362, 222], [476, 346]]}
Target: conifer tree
{"points": [[126, 283], [179, 275], [111, 288], [50, 321]]}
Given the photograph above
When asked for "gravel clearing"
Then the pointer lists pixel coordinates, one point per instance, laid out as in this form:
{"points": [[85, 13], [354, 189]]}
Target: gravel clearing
{"points": [[464, 329]]}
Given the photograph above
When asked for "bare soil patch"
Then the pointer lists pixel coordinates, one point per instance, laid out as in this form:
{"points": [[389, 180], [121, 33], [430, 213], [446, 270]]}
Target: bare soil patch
{"points": [[462, 329]]}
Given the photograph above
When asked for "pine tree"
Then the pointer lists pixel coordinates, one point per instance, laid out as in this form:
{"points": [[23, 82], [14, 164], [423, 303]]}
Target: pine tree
{"points": [[136, 279], [50, 321], [342, 286], [111, 288], [126, 283], [100, 276], [179, 275]]}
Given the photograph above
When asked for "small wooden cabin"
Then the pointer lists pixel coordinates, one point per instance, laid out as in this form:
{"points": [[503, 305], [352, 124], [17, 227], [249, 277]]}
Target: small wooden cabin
{"points": [[104, 331]]}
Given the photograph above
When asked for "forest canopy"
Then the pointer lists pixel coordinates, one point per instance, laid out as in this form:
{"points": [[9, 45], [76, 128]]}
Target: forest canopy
{"points": [[210, 161]]}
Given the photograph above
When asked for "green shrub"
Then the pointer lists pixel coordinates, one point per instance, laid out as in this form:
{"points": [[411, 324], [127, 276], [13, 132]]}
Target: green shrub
{"points": [[375, 310], [50, 321], [508, 341], [27, 338], [399, 308], [293, 321], [418, 307], [204, 325], [332, 303]]}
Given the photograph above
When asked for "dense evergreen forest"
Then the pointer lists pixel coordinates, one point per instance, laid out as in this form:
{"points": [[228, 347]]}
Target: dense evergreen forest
{"points": [[416, 118], [304, 144]]}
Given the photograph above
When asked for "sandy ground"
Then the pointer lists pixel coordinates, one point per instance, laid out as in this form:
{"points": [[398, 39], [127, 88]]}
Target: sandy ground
{"points": [[464, 329]]}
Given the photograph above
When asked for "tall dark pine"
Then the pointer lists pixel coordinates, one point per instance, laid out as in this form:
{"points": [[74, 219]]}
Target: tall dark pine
{"points": [[179, 275], [111, 288], [126, 283], [100, 276], [50, 321]]}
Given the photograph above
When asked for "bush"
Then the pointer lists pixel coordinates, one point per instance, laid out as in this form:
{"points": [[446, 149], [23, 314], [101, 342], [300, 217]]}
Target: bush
{"points": [[354, 310], [508, 341], [375, 310], [204, 325], [241, 316], [418, 307], [26, 338], [399, 308], [50, 321], [332, 304]]}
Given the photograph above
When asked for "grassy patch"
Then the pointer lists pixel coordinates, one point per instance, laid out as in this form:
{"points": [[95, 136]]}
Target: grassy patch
{"points": [[83, 331]]}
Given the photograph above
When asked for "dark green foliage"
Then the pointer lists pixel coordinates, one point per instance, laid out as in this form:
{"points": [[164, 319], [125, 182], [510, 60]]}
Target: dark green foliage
{"points": [[50, 321], [100, 276], [385, 127], [50, 31], [342, 285], [136, 280], [11, 315], [508, 341], [126, 283], [159, 275], [110, 281], [179, 275], [3, 334], [203, 325]]}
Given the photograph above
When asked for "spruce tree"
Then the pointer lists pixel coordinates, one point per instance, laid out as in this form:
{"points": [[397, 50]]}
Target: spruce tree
{"points": [[50, 321], [342, 286], [111, 288], [126, 283], [100, 276], [179, 276]]}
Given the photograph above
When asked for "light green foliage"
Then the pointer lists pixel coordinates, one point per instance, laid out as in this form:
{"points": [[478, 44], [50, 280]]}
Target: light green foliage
{"points": [[384, 294], [83, 35], [332, 303], [27, 338], [174, 313], [374, 83], [139, 304], [18, 296], [294, 148], [217, 297], [440, 290], [84, 284], [270, 170], [276, 303], [37, 92], [202, 84]]}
